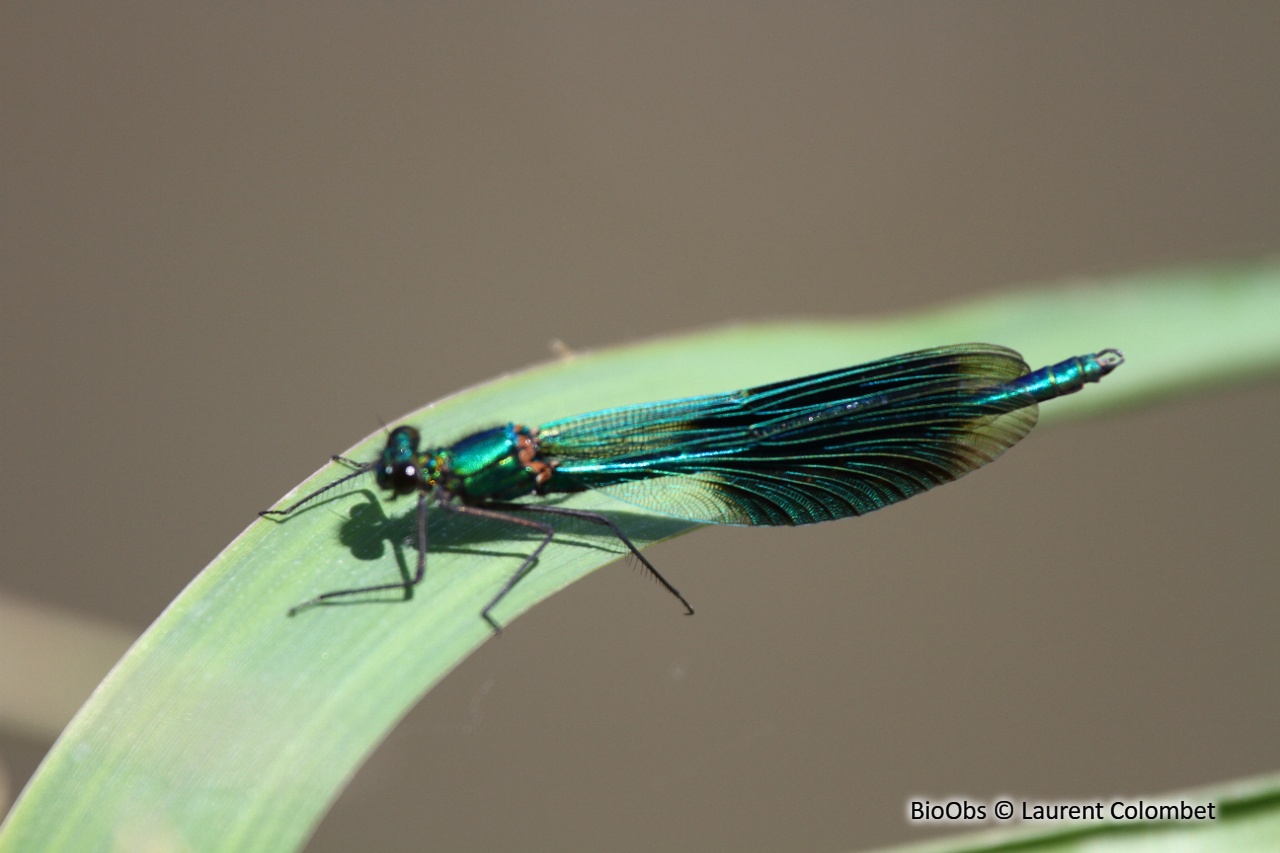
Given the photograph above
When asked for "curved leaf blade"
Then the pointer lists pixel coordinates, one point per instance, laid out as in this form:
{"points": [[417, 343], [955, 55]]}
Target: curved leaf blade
{"points": [[229, 726]]}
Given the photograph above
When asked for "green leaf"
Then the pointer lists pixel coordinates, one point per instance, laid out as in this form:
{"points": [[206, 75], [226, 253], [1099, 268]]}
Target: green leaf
{"points": [[230, 726]]}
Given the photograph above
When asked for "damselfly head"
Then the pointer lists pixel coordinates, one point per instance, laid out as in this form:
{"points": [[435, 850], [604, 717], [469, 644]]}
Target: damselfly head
{"points": [[398, 470]]}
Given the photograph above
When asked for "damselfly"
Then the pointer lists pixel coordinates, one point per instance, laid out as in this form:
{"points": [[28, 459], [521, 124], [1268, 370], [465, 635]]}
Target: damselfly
{"points": [[805, 450]]}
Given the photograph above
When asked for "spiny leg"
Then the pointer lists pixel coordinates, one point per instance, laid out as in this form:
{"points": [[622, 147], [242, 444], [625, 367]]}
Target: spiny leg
{"points": [[599, 518], [361, 468], [404, 585], [546, 530], [351, 463]]}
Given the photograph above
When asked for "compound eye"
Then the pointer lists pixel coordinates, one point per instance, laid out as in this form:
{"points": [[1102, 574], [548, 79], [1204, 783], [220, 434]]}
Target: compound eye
{"points": [[400, 478], [406, 479]]}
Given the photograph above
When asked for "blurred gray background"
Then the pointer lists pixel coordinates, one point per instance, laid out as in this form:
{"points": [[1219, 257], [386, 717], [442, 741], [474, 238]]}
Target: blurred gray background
{"points": [[235, 236]]}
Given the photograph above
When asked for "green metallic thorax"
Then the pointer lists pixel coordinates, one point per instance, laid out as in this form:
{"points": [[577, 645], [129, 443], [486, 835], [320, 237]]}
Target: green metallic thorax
{"points": [[496, 464]]}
